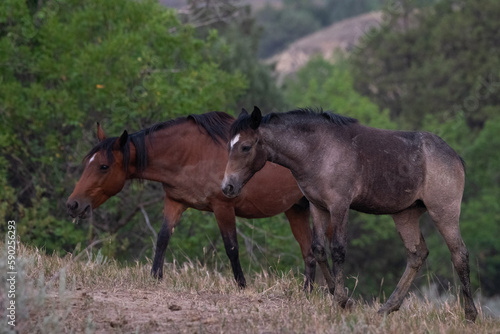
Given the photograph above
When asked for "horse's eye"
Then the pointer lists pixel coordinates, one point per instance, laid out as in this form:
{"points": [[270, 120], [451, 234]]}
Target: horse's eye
{"points": [[246, 148], [104, 167]]}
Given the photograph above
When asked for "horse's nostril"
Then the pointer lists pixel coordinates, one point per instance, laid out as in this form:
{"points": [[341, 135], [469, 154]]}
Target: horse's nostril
{"points": [[72, 206], [230, 191]]}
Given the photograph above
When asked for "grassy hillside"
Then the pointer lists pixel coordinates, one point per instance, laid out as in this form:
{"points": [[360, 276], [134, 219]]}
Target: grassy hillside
{"points": [[85, 293]]}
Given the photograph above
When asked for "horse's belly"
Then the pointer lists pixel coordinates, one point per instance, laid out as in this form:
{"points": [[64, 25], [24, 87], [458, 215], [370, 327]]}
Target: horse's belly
{"points": [[387, 198], [378, 208]]}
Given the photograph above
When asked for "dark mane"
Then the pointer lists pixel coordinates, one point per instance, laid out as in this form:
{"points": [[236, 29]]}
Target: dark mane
{"points": [[216, 124], [310, 113], [243, 122]]}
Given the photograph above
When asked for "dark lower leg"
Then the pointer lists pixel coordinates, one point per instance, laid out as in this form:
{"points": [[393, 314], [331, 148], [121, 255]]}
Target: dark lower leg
{"points": [[161, 246], [338, 241], [232, 252], [227, 225], [338, 257], [298, 216], [322, 260], [448, 226], [321, 219], [309, 272], [460, 261]]}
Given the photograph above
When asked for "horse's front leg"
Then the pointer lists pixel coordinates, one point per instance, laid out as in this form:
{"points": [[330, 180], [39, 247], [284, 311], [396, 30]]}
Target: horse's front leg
{"points": [[298, 216], [172, 212], [338, 225], [320, 221], [226, 219]]}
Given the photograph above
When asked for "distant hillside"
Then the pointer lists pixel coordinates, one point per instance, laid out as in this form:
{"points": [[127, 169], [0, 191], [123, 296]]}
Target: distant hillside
{"points": [[256, 4], [341, 35]]}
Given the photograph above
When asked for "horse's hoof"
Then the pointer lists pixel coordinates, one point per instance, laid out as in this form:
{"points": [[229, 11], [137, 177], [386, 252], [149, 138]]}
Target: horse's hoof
{"points": [[349, 305], [308, 287], [471, 317], [345, 303], [156, 275], [386, 309], [382, 311]]}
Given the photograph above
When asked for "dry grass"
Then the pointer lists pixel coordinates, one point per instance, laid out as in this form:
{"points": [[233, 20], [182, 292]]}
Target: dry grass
{"points": [[60, 295]]}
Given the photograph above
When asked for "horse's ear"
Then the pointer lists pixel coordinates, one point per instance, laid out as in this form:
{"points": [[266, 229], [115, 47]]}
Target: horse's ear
{"points": [[123, 138], [243, 112], [100, 132], [255, 118]]}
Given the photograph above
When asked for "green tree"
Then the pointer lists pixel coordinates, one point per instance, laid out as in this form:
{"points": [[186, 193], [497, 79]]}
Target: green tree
{"points": [[237, 48], [322, 83], [294, 19], [67, 64], [283, 26], [436, 60]]}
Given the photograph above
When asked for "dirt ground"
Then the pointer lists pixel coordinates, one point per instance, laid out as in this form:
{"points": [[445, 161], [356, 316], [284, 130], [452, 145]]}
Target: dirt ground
{"points": [[161, 311]]}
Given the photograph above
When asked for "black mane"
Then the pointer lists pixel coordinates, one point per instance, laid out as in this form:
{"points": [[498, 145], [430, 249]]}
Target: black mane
{"points": [[216, 124], [243, 122]]}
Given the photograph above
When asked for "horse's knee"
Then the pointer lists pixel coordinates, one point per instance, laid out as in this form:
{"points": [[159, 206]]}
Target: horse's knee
{"points": [[310, 261], [416, 259], [319, 252], [338, 254]]}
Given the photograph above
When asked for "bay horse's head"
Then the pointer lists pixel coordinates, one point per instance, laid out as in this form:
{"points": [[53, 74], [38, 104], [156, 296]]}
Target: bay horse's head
{"points": [[103, 177], [246, 154]]}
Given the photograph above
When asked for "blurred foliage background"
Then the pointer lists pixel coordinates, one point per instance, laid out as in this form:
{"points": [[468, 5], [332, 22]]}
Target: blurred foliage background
{"points": [[65, 64]]}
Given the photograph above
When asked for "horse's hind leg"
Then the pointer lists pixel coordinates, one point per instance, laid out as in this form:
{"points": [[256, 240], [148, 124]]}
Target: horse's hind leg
{"points": [[298, 216], [226, 219], [172, 212], [447, 223], [407, 225]]}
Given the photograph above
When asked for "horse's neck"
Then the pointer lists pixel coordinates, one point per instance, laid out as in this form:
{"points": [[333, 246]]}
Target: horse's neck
{"points": [[163, 151], [282, 147], [171, 150]]}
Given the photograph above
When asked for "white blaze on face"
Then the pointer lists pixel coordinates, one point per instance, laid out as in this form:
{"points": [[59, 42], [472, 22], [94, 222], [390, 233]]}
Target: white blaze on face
{"points": [[92, 159], [235, 140]]}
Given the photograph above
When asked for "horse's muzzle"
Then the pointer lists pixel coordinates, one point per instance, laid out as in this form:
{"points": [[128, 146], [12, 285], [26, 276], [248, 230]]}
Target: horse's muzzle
{"points": [[230, 189], [76, 209]]}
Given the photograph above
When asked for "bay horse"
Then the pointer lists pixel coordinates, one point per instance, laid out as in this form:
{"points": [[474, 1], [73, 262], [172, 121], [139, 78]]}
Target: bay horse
{"points": [[339, 165], [188, 156]]}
